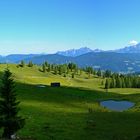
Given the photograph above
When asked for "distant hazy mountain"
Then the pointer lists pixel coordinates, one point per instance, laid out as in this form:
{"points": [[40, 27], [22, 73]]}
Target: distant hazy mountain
{"points": [[51, 58], [122, 60], [15, 58], [130, 49], [133, 48], [117, 62], [77, 52]]}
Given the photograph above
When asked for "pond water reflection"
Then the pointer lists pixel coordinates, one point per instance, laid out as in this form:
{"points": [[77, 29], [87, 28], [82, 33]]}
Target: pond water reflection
{"points": [[117, 105]]}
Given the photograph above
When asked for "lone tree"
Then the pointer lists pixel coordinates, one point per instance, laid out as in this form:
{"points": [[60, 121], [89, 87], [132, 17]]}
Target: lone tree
{"points": [[107, 84], [22, 63], [10, 121], [30, 64], [73, 75], [43, 68]]}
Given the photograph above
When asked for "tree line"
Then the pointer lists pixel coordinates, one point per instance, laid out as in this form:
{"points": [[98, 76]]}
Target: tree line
{"points": [[122, 81], [65, 69], [74, 69]]}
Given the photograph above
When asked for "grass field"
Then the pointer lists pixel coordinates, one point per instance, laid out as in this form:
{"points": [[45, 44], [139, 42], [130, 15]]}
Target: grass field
{"points": [[72, 112]]}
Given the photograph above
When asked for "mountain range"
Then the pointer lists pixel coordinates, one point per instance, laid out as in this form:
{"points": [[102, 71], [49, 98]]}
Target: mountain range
{"points": [[130, 49], [125, 60], [77, 52], [117, 62]]}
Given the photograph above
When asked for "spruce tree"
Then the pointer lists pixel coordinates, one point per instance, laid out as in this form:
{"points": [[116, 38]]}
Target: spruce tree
{"points": [[43, 68], [107, 73], [80, 72], [46, 63], [73, 75], [89, 70], [68, 70], [112, 83], [123, 83], [30, 64], [49, 68], [22, 63], [107, 84], [99, 73], [60, 69], [55, 70], [10, 121], [102, 83]]}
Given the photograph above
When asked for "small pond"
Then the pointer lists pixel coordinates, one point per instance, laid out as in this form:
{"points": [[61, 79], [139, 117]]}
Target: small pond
{"points": [[117, 105]]}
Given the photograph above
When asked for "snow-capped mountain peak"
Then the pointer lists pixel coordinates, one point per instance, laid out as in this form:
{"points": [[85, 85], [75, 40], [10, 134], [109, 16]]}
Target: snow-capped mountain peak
{"points": [[133, 43], [75, 52], [135, 48]]}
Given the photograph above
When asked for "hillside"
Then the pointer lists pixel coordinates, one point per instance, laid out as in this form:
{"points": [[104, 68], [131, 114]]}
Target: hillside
{"points": [[34, 76], [73, 110]]}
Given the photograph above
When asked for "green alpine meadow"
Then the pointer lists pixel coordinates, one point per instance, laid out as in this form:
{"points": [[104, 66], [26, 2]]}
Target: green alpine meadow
{"points": [[72, 111]]}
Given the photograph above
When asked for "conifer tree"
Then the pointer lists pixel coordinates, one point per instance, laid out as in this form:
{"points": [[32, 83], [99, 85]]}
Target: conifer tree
{"points": [[60, 70], [49, 68], [55, 70], [118, 82], [102, 83], [99, 73], [43, 68], [73, 75], [107, 73], [22, 63], [30, 64], [113, 83], [123, 83], [10, 121], [89, 70], [46, 63], [80, 72], [68, 70], [107, 84]]}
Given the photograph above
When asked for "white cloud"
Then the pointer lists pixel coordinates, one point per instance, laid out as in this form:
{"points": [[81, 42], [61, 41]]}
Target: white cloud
{"points": [[133, 42]]}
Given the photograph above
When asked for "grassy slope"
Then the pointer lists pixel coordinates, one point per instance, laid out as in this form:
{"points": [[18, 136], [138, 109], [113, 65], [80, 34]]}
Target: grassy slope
{"points": [[63, 113]]}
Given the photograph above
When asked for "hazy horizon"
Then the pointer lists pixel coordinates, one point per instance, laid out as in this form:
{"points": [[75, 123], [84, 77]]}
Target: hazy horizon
{"points": [[48, 26]]}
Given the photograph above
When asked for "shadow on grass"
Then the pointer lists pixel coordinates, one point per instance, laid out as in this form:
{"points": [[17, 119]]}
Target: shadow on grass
{"points": [[68, 95], [62, 113], [50, 119]]}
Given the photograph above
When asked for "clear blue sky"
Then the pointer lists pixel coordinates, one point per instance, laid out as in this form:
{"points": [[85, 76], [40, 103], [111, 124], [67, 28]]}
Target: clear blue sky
{"points": [[45, 26]]}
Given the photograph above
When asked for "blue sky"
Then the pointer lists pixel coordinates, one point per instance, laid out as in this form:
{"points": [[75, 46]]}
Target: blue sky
{"points": [[45, 26]]}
